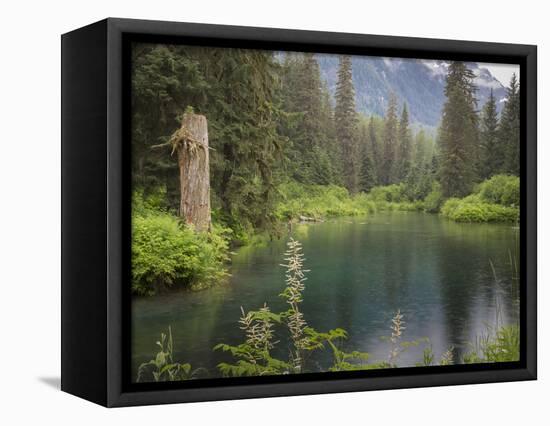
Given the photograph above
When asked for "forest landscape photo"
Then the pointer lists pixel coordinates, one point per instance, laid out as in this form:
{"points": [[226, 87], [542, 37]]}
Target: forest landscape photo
{"points": [[298, 213]]}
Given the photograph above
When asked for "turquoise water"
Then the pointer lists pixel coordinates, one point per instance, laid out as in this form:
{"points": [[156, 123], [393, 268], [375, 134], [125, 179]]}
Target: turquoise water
{"points": [[437, 272]]}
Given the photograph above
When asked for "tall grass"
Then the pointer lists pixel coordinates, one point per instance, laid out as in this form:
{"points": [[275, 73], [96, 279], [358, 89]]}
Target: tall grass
{"points": [[162, 367]]}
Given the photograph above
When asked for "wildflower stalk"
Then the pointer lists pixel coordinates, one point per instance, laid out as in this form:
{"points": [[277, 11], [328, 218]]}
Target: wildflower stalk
{"points": [[295, 278], [397, 327], [448, 357]]}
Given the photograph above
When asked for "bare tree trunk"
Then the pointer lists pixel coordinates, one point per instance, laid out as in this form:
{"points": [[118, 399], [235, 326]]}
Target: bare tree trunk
{"points": [[193, 160]]}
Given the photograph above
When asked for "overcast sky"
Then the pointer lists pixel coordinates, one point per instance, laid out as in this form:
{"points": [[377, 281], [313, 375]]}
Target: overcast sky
{"points": [[503, 72]]}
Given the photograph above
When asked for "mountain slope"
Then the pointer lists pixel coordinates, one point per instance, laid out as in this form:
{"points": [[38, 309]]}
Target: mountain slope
{"points": [[419, 83]]}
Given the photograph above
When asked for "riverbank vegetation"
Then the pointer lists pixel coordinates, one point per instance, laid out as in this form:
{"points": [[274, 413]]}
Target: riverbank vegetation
{"points": [[263, 330], [494, 200], [167, 253]]}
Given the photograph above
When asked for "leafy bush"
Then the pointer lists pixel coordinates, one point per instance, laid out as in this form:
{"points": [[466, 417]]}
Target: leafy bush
{"points": [[153, 202], [434, 200], [390, 193], [469, 209], [166, 252], [317, 202], [500, 189], [393, 197], [494, 200]]}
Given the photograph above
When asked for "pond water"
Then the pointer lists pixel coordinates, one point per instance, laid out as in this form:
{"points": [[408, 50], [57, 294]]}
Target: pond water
{"points": [[362, 270]]}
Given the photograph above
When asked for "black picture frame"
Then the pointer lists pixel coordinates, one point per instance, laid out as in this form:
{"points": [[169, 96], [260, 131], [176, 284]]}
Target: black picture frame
{"points": [[96, 211]]}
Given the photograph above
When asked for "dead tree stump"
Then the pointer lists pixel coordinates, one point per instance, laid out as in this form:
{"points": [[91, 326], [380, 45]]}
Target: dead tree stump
{"points": [[191, 143]]}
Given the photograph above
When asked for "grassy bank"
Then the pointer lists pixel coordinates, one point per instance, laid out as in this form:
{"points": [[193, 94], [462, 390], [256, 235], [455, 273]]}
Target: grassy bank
{"points": [[494, 200], [318, 202]]}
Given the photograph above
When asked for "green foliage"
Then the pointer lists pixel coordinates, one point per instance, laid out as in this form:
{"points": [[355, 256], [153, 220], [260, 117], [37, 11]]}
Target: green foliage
{"points": [[404, 157], [494, 200], [345, 117], [510, 128], [253, 356], [367, 169], [342, 361], [471, 209], [427, 357], [502, 346], [318, 202], [434, 200], [391, 193], [166, 252], [500, 189], [162, 367], [312, 152], [238, 91], [391, 197], [387, 171], [458, 133], [491, 156]]}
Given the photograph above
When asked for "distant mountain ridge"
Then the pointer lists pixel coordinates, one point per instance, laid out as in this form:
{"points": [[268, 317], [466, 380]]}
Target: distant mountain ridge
{"points": [[419, 83]]}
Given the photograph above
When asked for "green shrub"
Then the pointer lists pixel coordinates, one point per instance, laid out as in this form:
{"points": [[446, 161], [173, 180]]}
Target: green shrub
{"points": [[434, 200], [494, 200], [500, 189], [470, 209], [391, 193], [152, 202], [165, 252], [317, 202]]}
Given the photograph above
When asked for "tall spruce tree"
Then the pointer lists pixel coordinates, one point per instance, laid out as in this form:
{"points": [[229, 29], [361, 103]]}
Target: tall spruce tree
{"points": [[458, 133], [345, 118], [374, 150], [405, 146], [491, 154], [509, 129], [418, 174], [367, 178], [420, 148], [387, 171]]}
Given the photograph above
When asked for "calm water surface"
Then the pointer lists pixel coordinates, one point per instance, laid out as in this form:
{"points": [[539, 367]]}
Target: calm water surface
{"points": [[361, 271]]}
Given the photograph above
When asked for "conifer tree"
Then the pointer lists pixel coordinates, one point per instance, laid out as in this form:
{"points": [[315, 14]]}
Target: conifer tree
{"points": [[375, 153], [387, 171], [420, 148], [491, 153], [346, 124], [405, 146], [367, 178], [509, 129], [310, 127], [458, 133]]}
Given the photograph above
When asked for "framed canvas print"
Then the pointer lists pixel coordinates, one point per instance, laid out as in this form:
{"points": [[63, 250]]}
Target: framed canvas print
{"points": [[252, 212]]}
